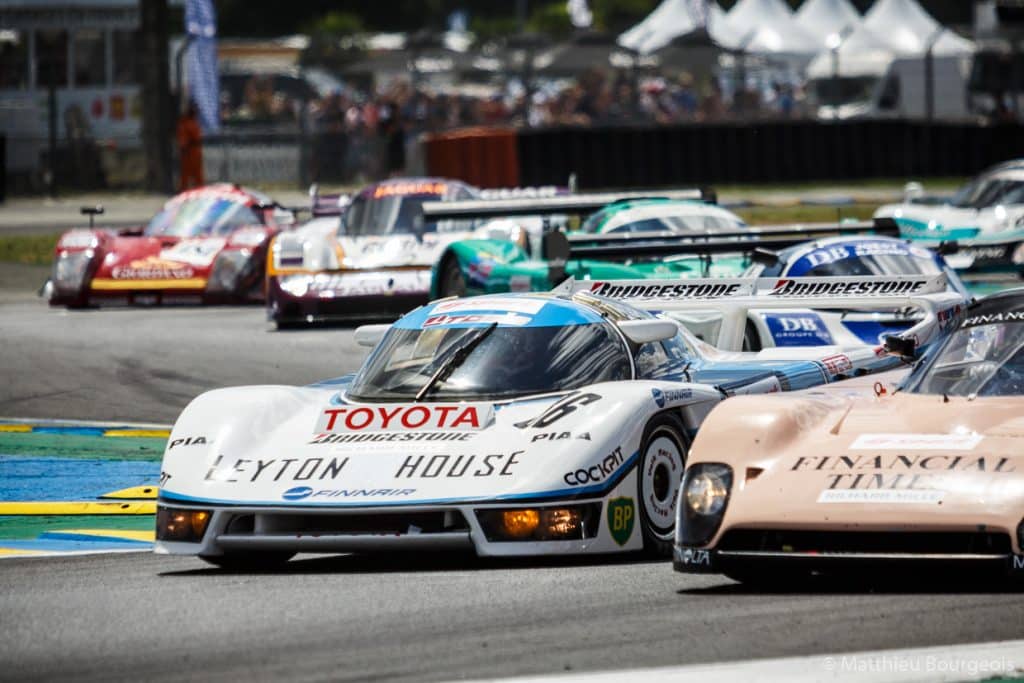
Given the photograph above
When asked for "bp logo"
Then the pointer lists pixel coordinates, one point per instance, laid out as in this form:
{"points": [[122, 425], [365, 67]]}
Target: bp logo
{"points": [[297, 493], [620, 519]]}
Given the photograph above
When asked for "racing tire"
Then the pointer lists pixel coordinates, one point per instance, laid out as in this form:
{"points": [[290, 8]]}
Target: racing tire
{"points": [[248, 561], [663, 452], [451, 282]]}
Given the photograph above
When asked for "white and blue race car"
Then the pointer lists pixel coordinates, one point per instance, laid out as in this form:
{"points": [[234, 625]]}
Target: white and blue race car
{"points": [[515, 424], [985, 218], [849, 257]]}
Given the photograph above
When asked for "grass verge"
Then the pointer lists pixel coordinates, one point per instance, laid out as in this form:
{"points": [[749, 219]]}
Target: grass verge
{"points": [[33, 250]]}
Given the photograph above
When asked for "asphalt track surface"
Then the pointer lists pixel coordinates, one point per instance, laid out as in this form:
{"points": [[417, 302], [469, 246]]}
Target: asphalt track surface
{"points": [[390, 618]]}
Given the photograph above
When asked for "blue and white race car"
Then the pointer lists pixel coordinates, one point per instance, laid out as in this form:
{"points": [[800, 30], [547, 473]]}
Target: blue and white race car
{"points": [[514, 424], [849, 257], [985, 218]]}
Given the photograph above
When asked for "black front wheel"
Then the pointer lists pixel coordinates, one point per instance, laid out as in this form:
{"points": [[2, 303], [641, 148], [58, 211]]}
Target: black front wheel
{"points": [[663, 452]]}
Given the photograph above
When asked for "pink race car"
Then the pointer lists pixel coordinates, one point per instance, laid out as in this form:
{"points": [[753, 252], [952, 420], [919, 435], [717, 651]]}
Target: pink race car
{"points": [[855, 478]]}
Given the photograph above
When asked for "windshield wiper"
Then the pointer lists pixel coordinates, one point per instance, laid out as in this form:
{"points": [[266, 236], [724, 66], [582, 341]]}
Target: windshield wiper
{"points": [[457, 358]]}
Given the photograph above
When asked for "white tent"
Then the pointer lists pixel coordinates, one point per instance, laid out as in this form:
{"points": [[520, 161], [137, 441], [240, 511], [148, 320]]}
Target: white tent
{"points": [[768, 26], [673, 18], [909, 29], [891, 29], [825, 18], [862, 53]]}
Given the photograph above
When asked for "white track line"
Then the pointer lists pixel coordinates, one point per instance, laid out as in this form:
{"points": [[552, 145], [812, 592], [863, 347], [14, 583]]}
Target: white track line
{"points": [[972, 662]]}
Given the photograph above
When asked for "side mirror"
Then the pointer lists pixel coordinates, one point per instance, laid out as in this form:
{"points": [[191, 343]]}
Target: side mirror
{"points": [[900, 346], [646, 331], [370, 335]]}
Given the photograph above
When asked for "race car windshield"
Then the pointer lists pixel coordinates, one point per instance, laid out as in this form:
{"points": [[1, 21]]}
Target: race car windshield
{"points": [[201, 216], [988, 192], [981, 360], [388, 215], [877, 264], [677, 224], [508, 363]]}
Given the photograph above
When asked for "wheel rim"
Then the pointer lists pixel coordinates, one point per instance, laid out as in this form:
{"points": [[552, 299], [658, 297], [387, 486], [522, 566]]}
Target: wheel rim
{"points": [[660, 479]]}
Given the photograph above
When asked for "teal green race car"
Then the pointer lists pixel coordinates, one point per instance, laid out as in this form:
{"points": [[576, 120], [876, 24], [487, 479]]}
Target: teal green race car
{"points": [[638, 238], [512, 263]]}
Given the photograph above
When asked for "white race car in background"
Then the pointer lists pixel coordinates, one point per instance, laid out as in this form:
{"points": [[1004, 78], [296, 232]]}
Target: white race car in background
{"points": [[985, 218], [515, 424]]}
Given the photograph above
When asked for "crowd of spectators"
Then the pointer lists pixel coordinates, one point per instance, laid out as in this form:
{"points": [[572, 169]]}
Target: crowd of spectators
{"points": [[363, 133]]}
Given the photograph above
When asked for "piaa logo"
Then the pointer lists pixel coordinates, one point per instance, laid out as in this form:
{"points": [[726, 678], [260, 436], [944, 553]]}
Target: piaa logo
{"points": [[297, 493]]}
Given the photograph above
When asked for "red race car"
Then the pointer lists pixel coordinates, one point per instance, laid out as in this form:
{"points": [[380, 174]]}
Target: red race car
{"points": [[207, 245]]}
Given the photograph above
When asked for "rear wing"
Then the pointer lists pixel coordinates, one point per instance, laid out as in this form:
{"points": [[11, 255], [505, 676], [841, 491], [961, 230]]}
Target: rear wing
{"points": [[648, 244], [734, 298], [573, 204]]}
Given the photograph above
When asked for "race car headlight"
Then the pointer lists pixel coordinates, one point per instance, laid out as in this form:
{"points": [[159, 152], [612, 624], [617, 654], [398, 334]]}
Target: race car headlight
{"points": [[229, 270], [296, 285], [187, 526], [70, 268], [704, 497], [561, 523]]}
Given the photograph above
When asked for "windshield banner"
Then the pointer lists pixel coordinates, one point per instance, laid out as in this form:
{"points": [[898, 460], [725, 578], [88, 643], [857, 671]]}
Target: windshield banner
{"points": [[421, 416]]}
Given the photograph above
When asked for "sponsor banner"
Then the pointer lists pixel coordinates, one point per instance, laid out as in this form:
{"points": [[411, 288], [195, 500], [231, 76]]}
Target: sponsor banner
{"points": [[341, 285], [234, 470], [880, 496], [527, 305], [298, 493], [798, 329], [670, 290], [992, 318], [153, 268], [401, 189], [187, 441], [509, 319], [457, 466], [827, 287], [856, 250], [837, 364], [596, 473], [621, 516], [397, 418], [670, 396], [916, 442]]}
